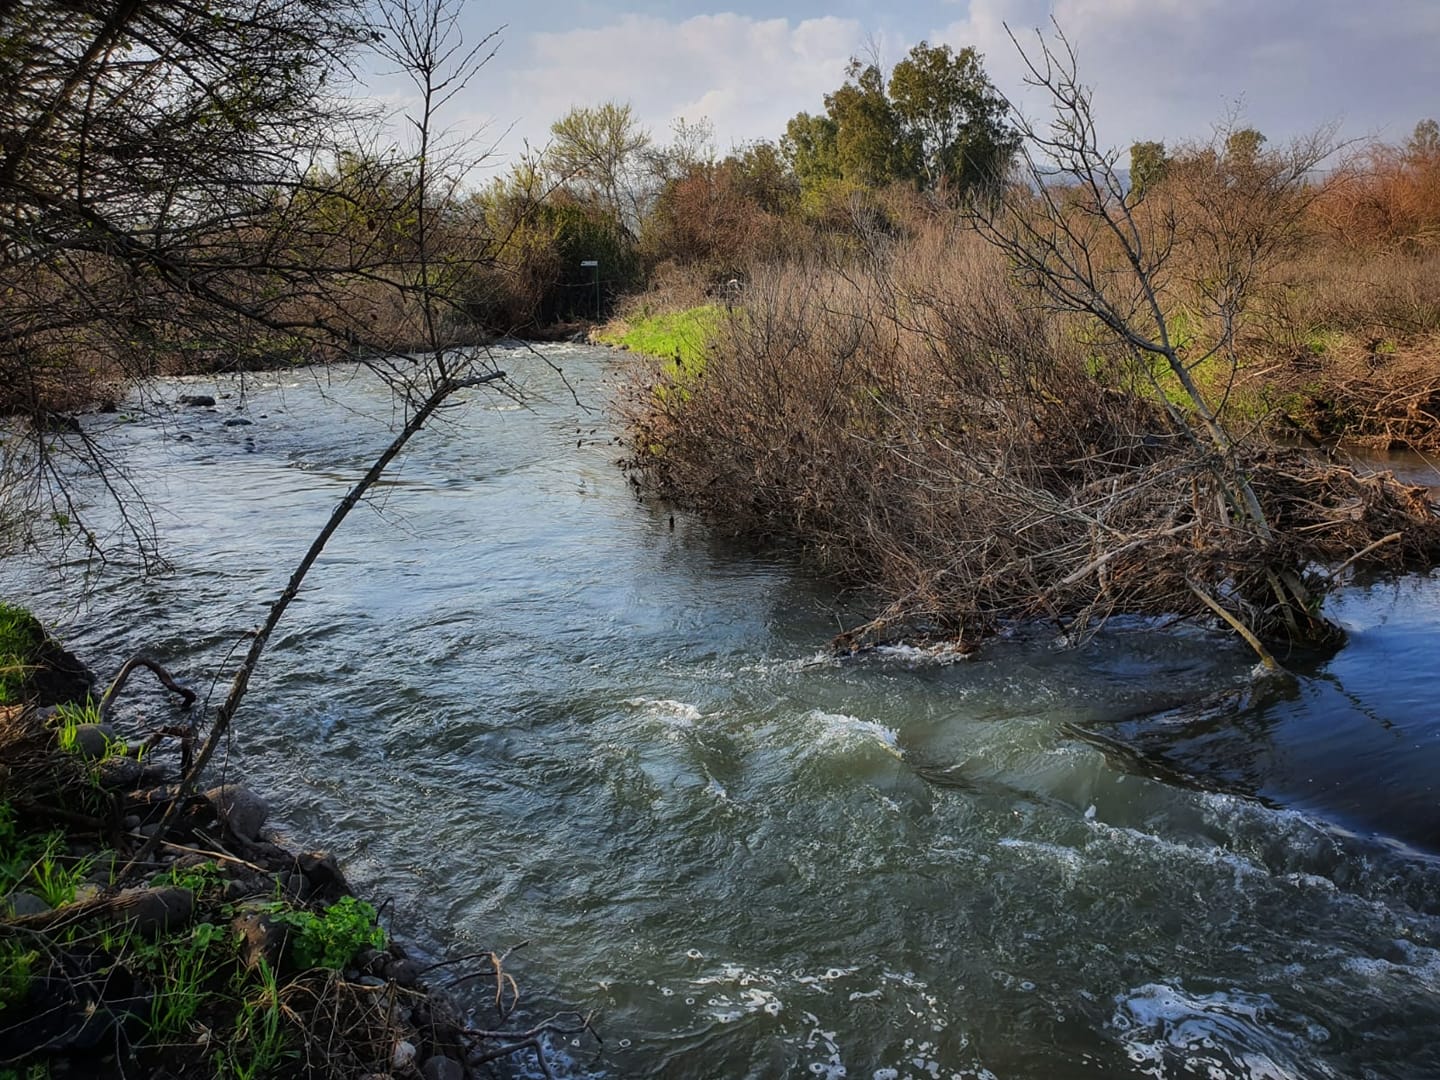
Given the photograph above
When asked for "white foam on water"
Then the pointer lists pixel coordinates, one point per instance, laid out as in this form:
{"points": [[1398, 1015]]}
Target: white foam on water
{"points": [[1225, 1035], [942, 654], [1418, 965], [841, 731], [675, 713], [791, 666]]}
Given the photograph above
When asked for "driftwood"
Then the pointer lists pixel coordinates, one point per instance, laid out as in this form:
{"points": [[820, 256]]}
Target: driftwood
{"points": [[187, 696], [148, 912]]}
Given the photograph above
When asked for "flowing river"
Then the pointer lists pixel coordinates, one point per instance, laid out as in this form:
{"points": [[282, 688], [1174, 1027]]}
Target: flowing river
{"points": [[522, 704]]}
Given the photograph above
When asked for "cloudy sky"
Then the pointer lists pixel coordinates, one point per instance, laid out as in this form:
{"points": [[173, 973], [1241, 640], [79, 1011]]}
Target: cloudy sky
{"points": [[1159, 68]]}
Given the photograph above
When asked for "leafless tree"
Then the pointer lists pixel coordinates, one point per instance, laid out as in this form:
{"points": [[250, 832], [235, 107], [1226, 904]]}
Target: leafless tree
{"points": [[1130, 257], [1130, 260], [423, 38]]}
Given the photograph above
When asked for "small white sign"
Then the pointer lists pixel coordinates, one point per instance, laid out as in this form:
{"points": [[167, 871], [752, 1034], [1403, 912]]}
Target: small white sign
{"points": [[590, 262]]}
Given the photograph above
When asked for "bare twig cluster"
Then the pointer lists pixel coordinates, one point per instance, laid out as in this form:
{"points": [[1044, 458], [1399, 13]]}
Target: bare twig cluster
{"points": [[926, 431]]}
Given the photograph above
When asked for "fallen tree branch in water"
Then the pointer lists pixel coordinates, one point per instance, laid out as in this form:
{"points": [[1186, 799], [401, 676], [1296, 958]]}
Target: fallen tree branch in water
{"points": [[187, 695], [1236, 625]]}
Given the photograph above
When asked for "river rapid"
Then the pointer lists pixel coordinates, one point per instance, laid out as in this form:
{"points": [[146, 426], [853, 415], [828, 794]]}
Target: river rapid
{"points": [[519, 702]]}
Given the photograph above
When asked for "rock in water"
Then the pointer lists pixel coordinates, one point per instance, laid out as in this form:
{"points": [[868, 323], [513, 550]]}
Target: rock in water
{"points": [[198, 400], [241, 811]]}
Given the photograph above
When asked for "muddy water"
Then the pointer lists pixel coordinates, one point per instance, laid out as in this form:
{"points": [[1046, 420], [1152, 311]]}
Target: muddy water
{"points": [[520, 704]]}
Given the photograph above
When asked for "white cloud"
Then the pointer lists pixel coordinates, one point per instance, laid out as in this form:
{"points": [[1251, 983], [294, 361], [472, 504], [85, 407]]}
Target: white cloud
{"points": [[1160, 68], [1171, 68], [747, 75]]}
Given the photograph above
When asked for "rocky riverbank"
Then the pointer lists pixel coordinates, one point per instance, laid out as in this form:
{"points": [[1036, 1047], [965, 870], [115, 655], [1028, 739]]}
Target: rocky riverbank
{"points": [[147, 930]]}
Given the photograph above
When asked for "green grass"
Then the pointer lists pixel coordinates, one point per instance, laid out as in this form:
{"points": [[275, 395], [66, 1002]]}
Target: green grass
{"points": [[677, 337], [17, 962], [259, 1045], [185, 968], [37, 864], [20, 636]]}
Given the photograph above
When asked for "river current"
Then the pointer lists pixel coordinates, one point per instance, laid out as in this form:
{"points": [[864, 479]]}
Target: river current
{"points": [[524, 706]]}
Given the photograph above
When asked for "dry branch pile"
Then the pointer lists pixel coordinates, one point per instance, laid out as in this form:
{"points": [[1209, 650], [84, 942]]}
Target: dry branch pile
{"points": [[924, 433]]}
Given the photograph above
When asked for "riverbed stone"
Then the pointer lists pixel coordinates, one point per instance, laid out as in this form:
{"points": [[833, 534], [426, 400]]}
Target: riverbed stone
{"points": [[241, 811], [24, 903], [403, 971], [152, 912], [92, 741], [370, 961], [403, 1055], [327, 882], [119, 772], [197, 400]]}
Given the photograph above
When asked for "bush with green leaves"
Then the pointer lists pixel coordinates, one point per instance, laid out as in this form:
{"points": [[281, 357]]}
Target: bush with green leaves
{"points": [[331, 938]]}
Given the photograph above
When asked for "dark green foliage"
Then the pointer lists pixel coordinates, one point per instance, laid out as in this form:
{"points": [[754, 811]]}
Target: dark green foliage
{"points": [[873, 147], [940, 123], [954, 117], [331, 939]]}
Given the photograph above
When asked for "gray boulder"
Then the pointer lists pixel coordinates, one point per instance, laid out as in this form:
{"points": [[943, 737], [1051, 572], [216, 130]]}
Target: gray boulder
{"points": [[239, 809]]}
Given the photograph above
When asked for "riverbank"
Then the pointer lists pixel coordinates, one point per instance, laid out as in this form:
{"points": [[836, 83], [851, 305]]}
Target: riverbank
{"points": [[927, 435], [145, 927]]}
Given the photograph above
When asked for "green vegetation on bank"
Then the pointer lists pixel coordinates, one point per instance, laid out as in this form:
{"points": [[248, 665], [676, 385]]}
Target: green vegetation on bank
{"points": [[228, 963], [677, 337], [20, 636]]}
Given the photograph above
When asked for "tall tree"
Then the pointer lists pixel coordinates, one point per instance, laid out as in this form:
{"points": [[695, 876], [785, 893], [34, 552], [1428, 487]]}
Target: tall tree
{"points": [[597, 152], [870, 142], [950, 110], [1148, 165]]}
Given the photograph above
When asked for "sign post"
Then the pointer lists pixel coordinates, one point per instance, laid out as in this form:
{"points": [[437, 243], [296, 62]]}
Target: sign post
{"points": [[596, 264]]}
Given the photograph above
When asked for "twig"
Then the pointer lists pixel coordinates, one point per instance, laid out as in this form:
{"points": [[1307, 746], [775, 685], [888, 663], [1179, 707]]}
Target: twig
{"points": [[186, 694], [1366, 550], [1236, 625]]}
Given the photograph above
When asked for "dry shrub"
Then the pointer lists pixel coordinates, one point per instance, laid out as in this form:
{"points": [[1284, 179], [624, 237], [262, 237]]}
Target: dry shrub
{"points": [[1348, 344], [1385, 197], [923, 431]]}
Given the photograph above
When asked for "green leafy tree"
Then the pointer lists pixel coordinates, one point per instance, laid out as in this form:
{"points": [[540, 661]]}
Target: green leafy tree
{"points": [[809, 147], [952, 114], [872, 146], [1148, 165], [597, 153]]}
